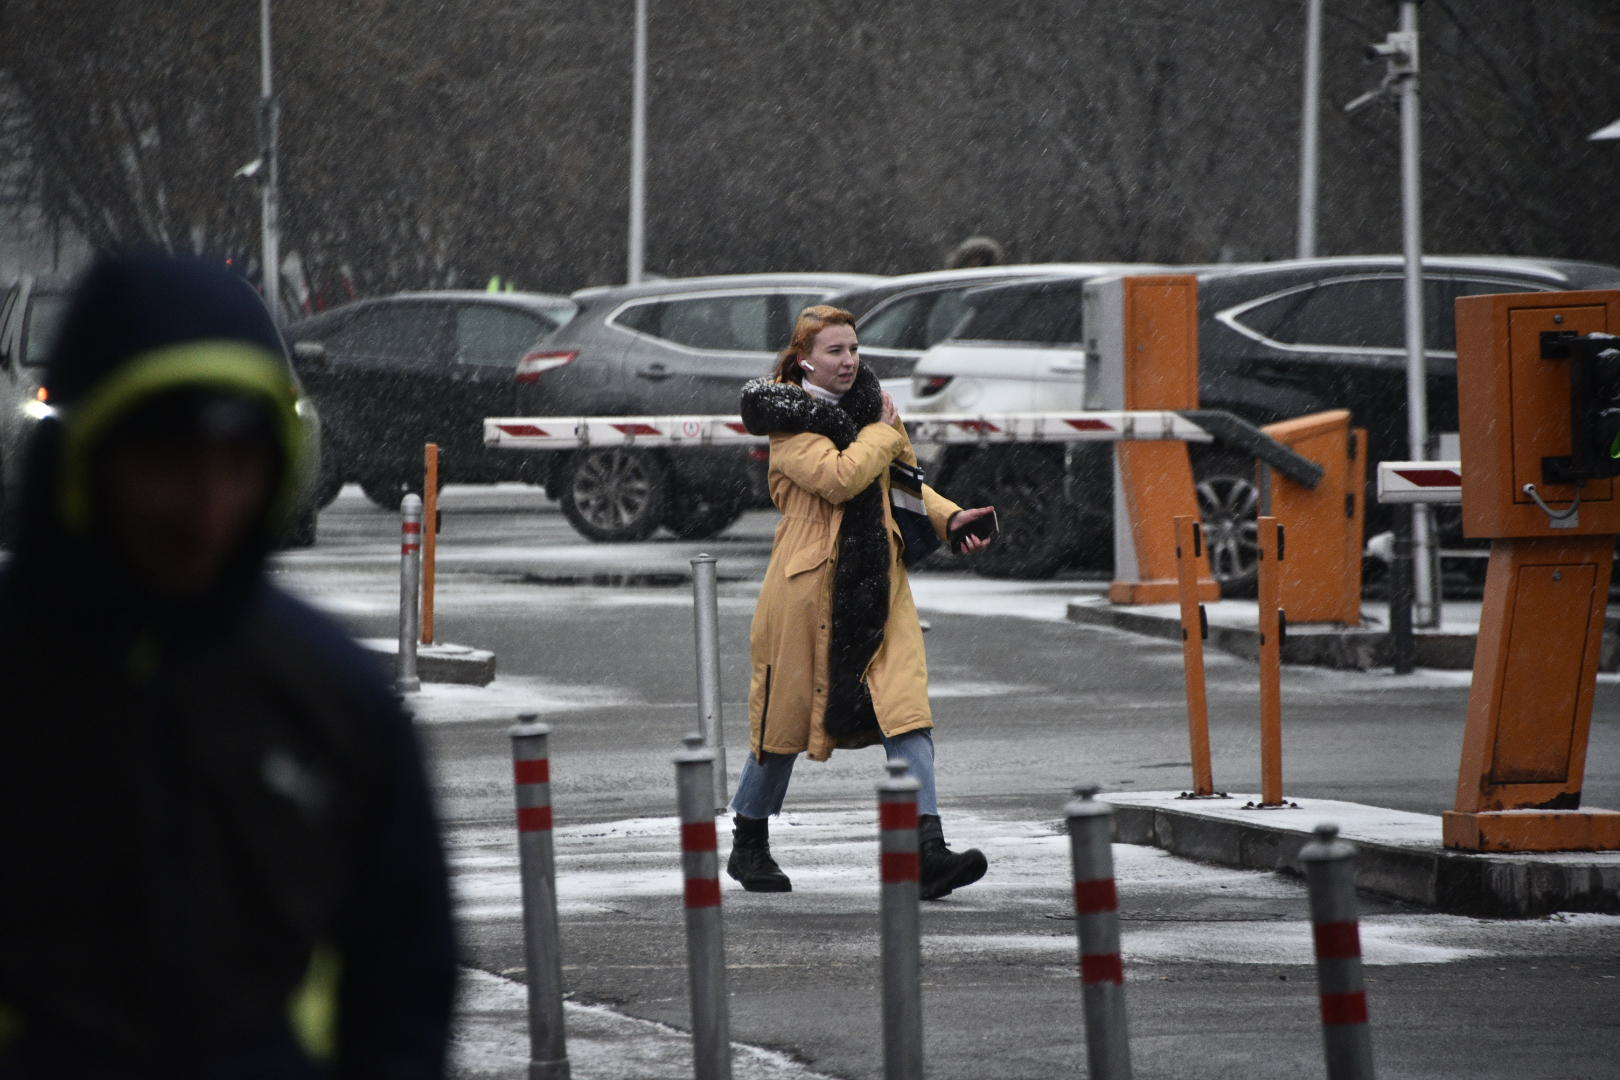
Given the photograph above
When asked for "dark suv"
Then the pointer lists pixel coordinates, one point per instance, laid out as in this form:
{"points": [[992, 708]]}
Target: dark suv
{"points": [[1284, 339], [394, 373], [662, 348]]}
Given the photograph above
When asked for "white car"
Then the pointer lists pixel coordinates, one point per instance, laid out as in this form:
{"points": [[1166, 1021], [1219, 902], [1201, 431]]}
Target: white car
{"points": [[1020, 349]]}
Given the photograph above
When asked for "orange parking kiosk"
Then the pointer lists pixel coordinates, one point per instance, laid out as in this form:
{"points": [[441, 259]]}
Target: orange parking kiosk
{"points": [[1533, 484]]}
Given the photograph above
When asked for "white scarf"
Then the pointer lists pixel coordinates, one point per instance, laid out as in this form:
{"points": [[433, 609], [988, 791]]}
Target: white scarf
{"points": [[821, 393]]}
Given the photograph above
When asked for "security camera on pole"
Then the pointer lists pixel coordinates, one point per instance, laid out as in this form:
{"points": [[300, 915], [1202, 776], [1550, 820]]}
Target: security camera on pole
{"points": [[1400, 52]]}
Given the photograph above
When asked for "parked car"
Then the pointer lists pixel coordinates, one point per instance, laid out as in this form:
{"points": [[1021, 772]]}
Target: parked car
{"points": [[662, 348], [1284, 339], [1020, 348], [394, 373], [900, 317], [30, 318]]}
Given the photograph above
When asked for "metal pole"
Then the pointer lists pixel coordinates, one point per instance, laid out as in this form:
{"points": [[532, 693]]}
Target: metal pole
{"points": [[270, 210], [705, 937], [638, 150], [531, 777], [706, 631], [410, 572], [900, 870], [1417, 395], [1330, 876], [1403, 652], [430, 535], [1309, 128], [1096, 910]]}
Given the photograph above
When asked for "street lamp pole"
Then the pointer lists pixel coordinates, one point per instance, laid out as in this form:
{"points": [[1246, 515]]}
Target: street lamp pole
{"points": [[638, 150], [270, 209], [1309, 129]]}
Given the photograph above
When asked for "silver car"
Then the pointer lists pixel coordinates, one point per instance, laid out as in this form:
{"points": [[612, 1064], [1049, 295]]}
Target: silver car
{"points": [[663, 348]]}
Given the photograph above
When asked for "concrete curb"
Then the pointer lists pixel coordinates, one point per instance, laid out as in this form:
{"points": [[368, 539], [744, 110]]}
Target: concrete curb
{"points": [[440, 662], [1399, 854]]}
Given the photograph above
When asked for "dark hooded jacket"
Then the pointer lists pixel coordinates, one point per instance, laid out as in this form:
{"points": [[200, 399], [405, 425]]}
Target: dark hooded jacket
{"points": [[220, 853]]}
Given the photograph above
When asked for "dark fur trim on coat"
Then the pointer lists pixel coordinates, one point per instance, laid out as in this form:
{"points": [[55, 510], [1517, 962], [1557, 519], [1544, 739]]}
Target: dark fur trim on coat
{"points": [[860, 606]]}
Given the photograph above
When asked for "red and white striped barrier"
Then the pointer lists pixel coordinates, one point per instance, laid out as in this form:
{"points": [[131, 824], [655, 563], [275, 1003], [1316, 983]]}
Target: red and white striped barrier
{"points": [[1330, 874], [531, 785], [1420, 481], [900, 869], [705, 937], [1096, 916], [569, 433]]}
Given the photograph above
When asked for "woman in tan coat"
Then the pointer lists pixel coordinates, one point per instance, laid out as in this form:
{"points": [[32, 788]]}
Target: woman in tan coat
{"points": [[837, 650]]}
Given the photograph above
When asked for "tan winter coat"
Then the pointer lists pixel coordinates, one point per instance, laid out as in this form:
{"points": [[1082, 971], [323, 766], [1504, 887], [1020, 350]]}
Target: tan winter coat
{"points": [[810, 480]]}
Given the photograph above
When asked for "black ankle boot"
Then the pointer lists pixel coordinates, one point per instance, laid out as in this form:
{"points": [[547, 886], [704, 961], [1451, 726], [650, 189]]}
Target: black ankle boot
{"points": [[942, 868], [751, 861]]}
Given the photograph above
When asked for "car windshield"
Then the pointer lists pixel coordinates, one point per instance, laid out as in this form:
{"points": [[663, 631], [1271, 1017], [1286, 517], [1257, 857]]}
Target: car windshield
{"points": [[45, 312], [1046, 316]]}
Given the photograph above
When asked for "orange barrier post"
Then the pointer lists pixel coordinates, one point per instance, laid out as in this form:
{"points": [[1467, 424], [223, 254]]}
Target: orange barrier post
{"points": [[430, 535], [1143, 339], [1273, 623], [1546, 492], [1194, 629], [1322, 582]]}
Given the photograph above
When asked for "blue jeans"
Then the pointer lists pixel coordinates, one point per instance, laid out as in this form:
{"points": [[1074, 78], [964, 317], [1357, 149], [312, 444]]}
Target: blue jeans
{"points": [[763, 786]]}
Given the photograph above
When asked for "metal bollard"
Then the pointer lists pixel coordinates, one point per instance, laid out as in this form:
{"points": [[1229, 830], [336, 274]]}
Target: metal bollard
{"points": [[705, 936], [410, 575], [1329, 868], [1096, 912], [531, 776], [900, 870], [706, 631]]}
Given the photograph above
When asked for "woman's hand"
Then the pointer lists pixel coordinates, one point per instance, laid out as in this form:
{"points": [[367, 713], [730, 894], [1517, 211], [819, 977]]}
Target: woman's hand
{"points": [[891, 415], [962, 520]]}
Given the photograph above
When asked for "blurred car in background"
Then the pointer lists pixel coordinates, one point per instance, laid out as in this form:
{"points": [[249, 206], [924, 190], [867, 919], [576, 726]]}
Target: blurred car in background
{"points": [[29, 319], [394, 373], [683, 345]]}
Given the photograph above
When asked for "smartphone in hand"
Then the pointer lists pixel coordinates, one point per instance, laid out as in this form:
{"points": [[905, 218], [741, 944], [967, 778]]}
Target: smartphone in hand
{"points": [[983, 526]]}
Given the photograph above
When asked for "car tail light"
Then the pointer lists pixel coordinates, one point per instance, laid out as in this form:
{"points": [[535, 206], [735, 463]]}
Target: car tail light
{"points": [[929, 385], [531, 366], [759, 453]]}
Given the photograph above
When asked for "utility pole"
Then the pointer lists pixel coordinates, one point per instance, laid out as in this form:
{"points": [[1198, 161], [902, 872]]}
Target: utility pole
{"points": [[270, 210], [638, 150], [1309, 129], [1399, 50]]}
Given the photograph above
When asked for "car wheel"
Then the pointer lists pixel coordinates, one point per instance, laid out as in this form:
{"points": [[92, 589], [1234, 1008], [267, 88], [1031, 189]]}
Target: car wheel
{"points": [[694, 515], [1024, 484], [616, 494], [389, 494], [1228, 501], [301, 533]]}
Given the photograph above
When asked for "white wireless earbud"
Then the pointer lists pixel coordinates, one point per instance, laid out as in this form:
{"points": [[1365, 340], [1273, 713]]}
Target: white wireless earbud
{"points": [[806, 365]]}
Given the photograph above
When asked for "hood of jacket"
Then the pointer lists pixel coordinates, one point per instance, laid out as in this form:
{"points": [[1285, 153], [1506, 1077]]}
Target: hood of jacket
{"points": [[141, 330]]}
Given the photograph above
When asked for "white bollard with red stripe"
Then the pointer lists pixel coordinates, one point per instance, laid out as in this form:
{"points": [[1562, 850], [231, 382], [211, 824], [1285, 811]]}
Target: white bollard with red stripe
{"points": [[900, 868], [705, 937], [1096, 916], [531, 779], [410, 583], [1329, 868]]}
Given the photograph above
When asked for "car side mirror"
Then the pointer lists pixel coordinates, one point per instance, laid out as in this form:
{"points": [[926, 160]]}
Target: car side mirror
{"points": [[312, 353]]}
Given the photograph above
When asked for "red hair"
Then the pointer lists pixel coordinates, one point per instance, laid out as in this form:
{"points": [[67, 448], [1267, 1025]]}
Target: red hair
{"points": [[812, 321]]}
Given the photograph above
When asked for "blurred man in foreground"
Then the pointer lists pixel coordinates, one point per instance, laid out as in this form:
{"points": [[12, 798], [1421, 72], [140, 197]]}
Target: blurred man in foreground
{"points": [[220, 855]]}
